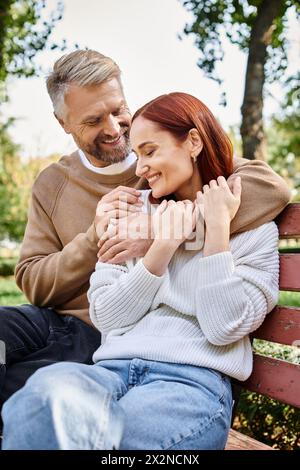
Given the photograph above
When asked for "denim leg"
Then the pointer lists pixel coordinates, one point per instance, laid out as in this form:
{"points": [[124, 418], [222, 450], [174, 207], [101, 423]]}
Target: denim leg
{"points": [[66, 406], [173, 406], [36, 337]]}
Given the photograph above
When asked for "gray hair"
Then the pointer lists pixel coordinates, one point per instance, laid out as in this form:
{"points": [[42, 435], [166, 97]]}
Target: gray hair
{"points": [[81, 68]]}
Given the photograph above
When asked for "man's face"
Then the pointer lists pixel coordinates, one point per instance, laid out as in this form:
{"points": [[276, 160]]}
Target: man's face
{"points": [[99, 120]]}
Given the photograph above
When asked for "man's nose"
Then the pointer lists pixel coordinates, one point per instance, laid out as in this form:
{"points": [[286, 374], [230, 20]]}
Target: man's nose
{"points": [[112, 127]]}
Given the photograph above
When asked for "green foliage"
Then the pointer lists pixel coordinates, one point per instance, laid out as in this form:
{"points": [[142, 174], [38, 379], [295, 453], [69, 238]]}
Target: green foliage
{"points": [[7, 266], [278, 351], [9, 191], [284, 136], [13, 213], [257, 27], [23, 33], [235, 19], [10, 294], [289, 299], [268, 421], [16, 179]]}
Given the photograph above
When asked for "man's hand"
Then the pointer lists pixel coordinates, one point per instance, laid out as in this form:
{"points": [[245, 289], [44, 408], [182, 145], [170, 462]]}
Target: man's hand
{"points": [[116, 204], [118, 251], [126, 238], [134, 226]]}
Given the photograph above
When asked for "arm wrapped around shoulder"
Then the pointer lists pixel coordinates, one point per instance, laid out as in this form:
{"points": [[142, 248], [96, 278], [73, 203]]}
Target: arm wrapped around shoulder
{"points": [[238, 288], [264, 194]]}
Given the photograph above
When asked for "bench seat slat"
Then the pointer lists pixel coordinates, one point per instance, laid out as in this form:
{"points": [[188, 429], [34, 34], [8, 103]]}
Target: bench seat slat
{"points": [[276, 379], [238, 441], [282, 326]]}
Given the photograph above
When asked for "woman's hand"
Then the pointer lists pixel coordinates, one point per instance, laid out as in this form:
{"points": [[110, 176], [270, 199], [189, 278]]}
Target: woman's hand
{"points": [[118, 203], [174, 221], [219, 203]]}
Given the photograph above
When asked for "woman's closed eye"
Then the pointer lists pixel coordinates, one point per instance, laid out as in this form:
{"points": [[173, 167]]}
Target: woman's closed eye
{"points": [[145, 154]]}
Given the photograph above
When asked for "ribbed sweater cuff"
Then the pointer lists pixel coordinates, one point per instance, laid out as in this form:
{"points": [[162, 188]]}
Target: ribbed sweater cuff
{"points": [[215, 268], [140, 286], [141, 272]]}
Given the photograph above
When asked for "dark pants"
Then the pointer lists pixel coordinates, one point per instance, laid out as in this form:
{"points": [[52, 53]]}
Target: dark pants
{"points": [[37, 337]]}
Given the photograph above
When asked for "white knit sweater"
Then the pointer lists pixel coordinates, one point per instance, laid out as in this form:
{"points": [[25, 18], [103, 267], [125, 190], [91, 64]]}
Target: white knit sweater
{"points": [[199, 312]]}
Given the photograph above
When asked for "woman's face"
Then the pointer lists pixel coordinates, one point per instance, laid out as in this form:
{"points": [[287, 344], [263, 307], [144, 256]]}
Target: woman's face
{"points": [[165, 162]]}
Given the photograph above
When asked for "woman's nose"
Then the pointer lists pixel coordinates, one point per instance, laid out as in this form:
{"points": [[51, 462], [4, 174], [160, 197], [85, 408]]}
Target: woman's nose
{"points": [[141, 170]]}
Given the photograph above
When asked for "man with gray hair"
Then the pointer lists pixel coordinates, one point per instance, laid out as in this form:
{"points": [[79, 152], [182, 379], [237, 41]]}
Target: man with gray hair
{"points": [[69, 213]]}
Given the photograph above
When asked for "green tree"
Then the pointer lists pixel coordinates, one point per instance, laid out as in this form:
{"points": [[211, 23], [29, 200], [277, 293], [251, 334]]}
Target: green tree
{"points": [[16, 179], [9, 192], [23, 33], [10, 197], [258, 27], [284, 136]]}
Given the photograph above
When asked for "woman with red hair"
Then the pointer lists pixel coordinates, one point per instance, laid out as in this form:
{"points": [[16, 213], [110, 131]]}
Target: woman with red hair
{"points": [[175, 325]]}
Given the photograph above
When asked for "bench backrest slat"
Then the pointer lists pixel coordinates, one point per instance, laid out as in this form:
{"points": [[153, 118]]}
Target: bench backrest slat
{"points": [[277, 379], [289, 221], [289, 278], [282, 326]]}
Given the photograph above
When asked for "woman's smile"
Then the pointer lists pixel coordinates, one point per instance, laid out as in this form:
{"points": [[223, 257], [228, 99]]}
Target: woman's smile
{"points": [[153, 178]]}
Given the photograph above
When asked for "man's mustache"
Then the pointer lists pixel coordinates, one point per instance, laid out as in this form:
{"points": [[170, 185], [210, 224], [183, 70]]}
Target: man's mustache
{"points": [[124, 131]]}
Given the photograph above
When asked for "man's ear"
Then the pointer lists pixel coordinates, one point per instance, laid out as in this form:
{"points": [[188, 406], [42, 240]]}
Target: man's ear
{"points": [[195, 141], [63, 124]]}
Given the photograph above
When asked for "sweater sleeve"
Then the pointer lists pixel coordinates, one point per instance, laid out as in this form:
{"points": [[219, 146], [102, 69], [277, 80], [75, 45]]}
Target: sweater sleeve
{"points": [[264, 194], [120, 297], [237, 291], [48, 273]]}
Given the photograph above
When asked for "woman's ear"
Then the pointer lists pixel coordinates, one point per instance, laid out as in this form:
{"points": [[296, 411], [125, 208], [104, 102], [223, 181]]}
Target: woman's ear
{"points": [[195, 142]]}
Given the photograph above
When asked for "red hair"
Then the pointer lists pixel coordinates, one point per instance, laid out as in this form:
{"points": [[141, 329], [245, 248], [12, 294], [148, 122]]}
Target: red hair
{"points": [[178, 113]]}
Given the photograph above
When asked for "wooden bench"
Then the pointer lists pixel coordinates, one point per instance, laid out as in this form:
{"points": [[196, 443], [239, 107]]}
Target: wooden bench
{"points": [[276, 378]]}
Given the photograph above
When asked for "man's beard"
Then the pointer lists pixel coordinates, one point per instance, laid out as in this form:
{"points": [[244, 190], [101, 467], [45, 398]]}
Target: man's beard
{"points": [[115, 155]]}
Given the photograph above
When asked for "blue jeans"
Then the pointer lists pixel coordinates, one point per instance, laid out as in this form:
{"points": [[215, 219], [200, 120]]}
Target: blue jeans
{"points": [[120, 404], [37, 337]]}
